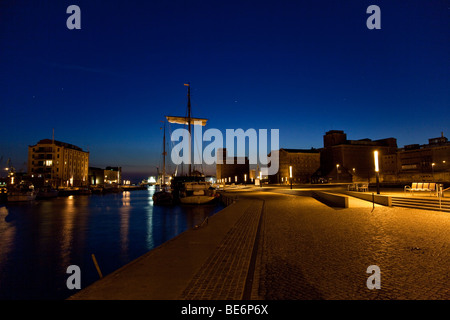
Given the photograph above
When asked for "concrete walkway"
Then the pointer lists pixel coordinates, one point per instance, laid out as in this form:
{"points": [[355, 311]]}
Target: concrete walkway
{"points": [[283, 244]]}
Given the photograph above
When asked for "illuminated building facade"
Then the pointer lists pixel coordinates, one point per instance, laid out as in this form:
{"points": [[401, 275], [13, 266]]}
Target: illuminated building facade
{"points": [[343, 160], [233, 171], [58, 163], [304, 163]]}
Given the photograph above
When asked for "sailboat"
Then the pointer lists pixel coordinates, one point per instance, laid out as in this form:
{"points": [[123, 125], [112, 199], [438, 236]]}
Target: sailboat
{"points": [[191, 189], [163, 197]]}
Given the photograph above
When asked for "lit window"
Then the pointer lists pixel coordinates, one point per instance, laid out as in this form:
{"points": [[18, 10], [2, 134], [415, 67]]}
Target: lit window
{"points": [[48, 163]]}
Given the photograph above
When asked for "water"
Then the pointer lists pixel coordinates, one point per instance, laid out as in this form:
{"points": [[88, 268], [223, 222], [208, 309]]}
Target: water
{"points": [[39, 240]]}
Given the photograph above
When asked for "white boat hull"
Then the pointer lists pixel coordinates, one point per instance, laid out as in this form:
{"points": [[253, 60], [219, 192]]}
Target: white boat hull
{"points": [[196, 199]]}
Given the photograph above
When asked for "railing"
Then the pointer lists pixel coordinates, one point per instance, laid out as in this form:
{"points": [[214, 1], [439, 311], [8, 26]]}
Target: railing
{"points": [[441, 194]]}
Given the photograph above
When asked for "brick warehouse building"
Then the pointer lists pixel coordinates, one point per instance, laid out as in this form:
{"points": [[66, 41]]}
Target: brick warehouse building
{"points": [[304, 163], [344, 160]]}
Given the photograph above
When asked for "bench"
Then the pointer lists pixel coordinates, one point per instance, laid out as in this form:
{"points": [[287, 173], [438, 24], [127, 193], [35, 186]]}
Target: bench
{"points": [[358, 187], [421, 186]]}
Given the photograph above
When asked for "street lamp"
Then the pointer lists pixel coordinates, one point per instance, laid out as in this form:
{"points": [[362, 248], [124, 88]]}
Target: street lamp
{"points": [[377, 171], [337, 172], [290, 175], [245, 178], [432, 169]]}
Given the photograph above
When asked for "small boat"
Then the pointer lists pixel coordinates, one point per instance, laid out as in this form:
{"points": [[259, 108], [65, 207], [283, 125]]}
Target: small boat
{"points": [[197, 192], [22, 193], [97, 189], [112, 188], [162, 198], [3, 193], [47, 192], [85, 191]]}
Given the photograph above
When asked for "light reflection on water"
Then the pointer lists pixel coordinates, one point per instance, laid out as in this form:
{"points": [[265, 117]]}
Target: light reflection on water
{"points": [[39, 240]]}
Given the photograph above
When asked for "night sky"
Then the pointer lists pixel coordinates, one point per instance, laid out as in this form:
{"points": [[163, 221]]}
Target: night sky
{"points": [[303, 67]]}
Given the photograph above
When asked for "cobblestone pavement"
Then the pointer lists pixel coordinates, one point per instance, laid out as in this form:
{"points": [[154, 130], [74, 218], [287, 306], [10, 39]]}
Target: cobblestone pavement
{"points": [[312, 251], [223, 276]]}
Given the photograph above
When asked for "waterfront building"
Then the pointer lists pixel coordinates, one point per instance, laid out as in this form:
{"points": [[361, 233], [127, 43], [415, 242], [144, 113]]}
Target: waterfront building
{"points": [[232, 169], [113, 175], [418, 163], [58, 163], [304, 163], [96, 176], [344, 160]]}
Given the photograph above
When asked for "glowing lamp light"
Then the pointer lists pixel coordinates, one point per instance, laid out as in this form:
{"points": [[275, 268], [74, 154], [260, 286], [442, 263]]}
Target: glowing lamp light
{"points": [[290, 171], [377, 168]]}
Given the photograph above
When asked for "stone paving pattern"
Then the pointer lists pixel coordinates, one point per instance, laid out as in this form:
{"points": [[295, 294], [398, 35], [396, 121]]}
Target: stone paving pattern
{"points": [[306, 250], [223, 275], [313, 251]]}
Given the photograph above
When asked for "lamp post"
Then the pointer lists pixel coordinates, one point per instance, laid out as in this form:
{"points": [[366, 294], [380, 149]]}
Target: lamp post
{"points": [[337, 172], [432, 169], [290, 175], [377, 170], [260, 179], [245, 178]]}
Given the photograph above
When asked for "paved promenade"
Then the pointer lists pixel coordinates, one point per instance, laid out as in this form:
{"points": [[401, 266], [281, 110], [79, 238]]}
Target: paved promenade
{"points": [[282, 244]]}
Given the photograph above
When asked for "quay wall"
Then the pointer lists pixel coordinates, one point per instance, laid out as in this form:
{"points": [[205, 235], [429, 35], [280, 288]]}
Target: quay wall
{"points": [[332, 199], [379, 199]]}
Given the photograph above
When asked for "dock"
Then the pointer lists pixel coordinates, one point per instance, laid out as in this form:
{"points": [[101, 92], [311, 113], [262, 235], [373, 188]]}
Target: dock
{"points": [[285, 244]]}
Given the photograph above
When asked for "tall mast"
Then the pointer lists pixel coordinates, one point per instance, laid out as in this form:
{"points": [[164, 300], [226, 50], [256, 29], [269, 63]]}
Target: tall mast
{"points": [[53, 158], [164, 155], [189, 126]]}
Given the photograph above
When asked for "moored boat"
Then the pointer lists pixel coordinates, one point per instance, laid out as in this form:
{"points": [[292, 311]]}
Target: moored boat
{"points": [[191, 189], [197, 192], [21, 193], [3, 192], [162, 198], [47, 193]]}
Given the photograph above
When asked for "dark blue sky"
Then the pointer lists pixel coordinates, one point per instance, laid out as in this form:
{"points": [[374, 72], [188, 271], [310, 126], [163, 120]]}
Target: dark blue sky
{"points": [[304, 67]]}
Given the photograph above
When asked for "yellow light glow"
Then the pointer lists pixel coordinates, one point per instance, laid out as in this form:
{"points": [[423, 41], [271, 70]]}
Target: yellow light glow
{"points": [[290, 171], [245, 177], [375, 154]]}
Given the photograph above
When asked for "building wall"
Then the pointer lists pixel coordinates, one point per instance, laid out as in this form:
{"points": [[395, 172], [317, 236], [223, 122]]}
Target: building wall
{"points": [[58, 163], [113, 175], [230, 169], [304, 163], [354, 157], [430, 162]]}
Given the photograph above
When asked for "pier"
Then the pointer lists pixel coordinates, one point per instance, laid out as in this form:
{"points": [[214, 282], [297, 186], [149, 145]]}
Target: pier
{"points": [[286, 244]]}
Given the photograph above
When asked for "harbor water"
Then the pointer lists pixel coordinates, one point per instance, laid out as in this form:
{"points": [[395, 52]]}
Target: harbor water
{"points": [[41, 239]]}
